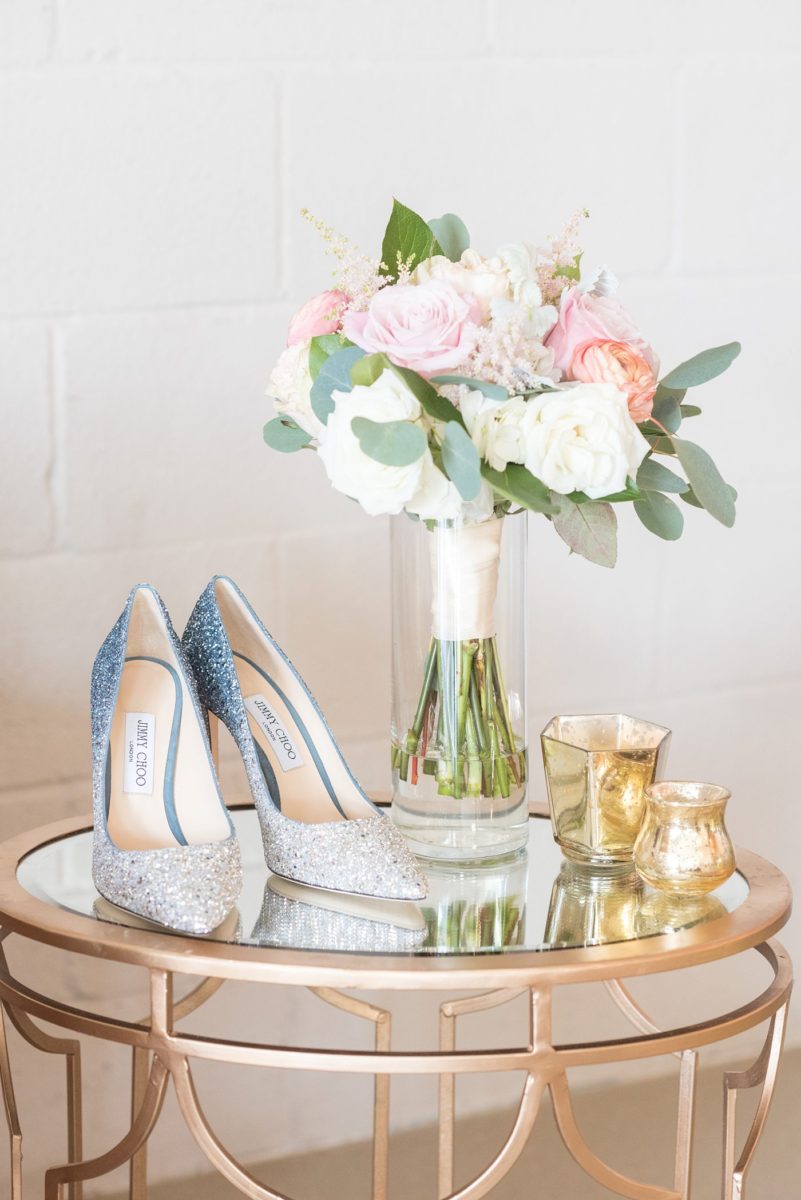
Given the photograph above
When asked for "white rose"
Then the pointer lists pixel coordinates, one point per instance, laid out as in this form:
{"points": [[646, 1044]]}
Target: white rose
{"points": [[290, 388], [378, 488], [520, 263], [436, 498], [581, 438], [497, 428], [483, 278]]}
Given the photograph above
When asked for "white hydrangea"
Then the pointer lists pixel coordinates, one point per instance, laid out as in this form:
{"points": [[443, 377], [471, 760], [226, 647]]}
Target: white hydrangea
{"points": [[290, 388]]}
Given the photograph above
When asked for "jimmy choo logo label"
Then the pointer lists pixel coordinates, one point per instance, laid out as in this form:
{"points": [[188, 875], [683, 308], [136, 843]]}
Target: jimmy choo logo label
{"points": [[270, 724], [140, 744]]}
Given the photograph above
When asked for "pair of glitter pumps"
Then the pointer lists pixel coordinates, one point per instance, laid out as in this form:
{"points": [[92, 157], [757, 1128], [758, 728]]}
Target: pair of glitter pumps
{"points": [[164, 846]]}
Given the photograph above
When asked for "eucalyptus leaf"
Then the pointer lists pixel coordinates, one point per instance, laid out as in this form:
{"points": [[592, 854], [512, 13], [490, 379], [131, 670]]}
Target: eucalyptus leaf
{"points": [[589, 530], [521, 487], [629, 492], [690, 410], [654, 477], [439, 408], [689, 497], [320, 349], [284, 434], [667, 409], [707, 483], [451, 233], [408, 238], [493, 391], [334, 376], [659, 443], [660, 515], [369, 368], [393, 443], [704, 366], [461, 460]]}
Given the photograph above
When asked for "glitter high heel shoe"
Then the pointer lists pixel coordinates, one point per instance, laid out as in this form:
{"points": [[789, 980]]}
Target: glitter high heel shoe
{"points": [[318, 826], [164, 847]]}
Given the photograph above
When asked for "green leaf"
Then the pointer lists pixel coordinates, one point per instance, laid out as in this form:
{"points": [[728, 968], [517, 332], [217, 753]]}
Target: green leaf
{"points": [[589, 530], [451, 233], [660, 444], [690, 410], [393, 443], [334, 376], [660, 515], [521, 487], [707, 483], [572, 272], [439, 408], [689, 497], [461, 460], [366, 370], [408, 236], [667, 408], [284, 434], [706, 365], [321, 348], [630, 492], [493, 391], [654, 477]]}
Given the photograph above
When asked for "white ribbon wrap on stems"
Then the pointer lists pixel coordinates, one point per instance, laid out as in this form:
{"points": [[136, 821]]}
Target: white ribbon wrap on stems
{"points": [[464, 577]]}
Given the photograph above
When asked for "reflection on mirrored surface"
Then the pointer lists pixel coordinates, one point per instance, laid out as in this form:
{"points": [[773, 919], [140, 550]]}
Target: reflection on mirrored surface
{"points": [[476, 909], [533, 902], [302, 918], [591, 905]]}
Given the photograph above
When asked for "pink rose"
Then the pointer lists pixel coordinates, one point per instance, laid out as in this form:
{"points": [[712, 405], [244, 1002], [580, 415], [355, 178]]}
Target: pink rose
{"points": [[425, 326], [322, 314], [601, 361], [586, 317]]}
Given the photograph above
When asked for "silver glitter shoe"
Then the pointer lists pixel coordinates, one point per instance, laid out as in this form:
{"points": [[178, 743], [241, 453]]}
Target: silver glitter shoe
{"points": [[297, 917], [164, 847], [318, 826]]}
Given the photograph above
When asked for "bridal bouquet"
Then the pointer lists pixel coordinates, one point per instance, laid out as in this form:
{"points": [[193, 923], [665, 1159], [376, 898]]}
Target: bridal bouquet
{"points": [[458, 388]]}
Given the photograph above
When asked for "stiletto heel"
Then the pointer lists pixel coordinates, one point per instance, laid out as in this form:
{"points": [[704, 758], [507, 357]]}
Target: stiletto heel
{"points": [[164, 847], [318, 826]]}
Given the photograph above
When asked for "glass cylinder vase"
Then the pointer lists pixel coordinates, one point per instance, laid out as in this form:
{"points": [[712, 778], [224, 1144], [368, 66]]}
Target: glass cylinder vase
{"points": [[459, 756]]}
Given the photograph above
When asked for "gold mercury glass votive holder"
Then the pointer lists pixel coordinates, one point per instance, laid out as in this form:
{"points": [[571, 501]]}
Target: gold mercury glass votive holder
{"points": [[597, 769], [684, 846]]}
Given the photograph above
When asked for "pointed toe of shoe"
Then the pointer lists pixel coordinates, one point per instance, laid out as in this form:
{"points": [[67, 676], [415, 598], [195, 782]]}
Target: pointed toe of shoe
{"points": [[190, 889], [368, 857]]}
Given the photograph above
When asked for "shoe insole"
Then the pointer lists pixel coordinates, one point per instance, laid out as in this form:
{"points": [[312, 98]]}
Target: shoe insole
{"points": [[160, 784], [303, 769]]}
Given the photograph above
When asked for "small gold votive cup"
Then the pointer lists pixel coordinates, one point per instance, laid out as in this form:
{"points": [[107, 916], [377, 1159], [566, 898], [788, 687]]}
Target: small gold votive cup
{"points": [[684, 846], [597, 769]]}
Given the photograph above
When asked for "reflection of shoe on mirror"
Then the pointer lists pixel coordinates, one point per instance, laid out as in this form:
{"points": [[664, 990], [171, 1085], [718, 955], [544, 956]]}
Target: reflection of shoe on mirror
{"points": [[303, 918], [164, 847], [318, 826], [229, 930]]}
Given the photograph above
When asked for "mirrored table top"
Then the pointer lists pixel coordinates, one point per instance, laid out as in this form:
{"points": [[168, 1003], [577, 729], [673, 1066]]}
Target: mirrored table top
{"points": [[535, 901]]}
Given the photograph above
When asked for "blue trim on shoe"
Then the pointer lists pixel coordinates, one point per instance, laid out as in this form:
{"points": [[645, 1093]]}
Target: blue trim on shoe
{"points": [[172, 752], [318, 762], [260, 624]]}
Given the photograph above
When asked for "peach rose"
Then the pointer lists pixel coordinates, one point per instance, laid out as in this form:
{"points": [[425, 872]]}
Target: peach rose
{"points": [[606, 361], [586, 316], [322, 314]]}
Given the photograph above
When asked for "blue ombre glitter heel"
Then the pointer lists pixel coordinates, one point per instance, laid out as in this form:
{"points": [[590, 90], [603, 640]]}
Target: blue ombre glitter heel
{"points": [[318, 826], [164, 847]]}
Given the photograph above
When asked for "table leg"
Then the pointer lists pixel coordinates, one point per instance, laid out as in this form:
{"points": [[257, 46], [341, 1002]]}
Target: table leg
{"points": [[763, 1072], [141, 1129], [383, 1043], [71, 1049], [12, 1116]]}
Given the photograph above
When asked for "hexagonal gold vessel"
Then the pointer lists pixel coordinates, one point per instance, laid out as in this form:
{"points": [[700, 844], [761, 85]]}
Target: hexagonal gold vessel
{"points": [[597, 769]]}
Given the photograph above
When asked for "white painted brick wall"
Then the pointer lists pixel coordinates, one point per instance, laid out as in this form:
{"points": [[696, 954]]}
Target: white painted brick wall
{"points": [[154, 156]]}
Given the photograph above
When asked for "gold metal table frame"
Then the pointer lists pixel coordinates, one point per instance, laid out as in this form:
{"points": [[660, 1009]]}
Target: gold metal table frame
{"points": [[162, 1052]]}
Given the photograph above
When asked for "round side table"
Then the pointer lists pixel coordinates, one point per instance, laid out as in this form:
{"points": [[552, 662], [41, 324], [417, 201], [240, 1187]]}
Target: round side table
{"points": [[521, 926]]}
